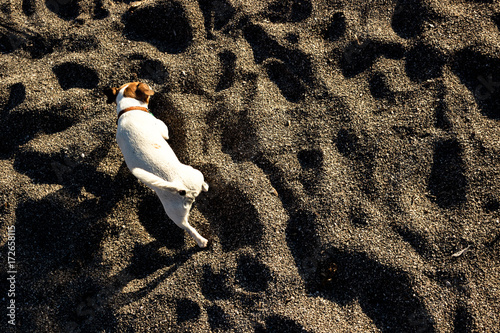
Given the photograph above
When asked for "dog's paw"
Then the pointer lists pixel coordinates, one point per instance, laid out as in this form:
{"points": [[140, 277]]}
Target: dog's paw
{"points": [[204, 244]]}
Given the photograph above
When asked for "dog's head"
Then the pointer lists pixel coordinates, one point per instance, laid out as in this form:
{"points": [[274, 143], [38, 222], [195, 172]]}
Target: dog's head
{"points": [[137, 90]]}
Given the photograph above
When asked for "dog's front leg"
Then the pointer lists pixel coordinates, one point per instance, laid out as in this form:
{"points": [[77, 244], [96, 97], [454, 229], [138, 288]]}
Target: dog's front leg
{"points": [[163, 128]]}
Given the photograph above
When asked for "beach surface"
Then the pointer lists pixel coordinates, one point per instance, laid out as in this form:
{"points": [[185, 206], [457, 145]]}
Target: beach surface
{"points": [[352, 150]]}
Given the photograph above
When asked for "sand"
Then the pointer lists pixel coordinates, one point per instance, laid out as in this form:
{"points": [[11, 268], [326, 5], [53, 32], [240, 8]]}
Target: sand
{"points": [[352, 150]]}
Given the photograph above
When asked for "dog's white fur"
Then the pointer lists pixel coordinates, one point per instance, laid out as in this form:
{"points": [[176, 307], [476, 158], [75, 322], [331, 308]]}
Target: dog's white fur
{"points": [[141, 138]]}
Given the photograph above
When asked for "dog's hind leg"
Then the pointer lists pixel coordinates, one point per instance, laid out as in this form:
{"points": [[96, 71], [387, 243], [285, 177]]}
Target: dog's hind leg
{"points": [[200, 240], [184, 224], [181, 219], [154, 181]]}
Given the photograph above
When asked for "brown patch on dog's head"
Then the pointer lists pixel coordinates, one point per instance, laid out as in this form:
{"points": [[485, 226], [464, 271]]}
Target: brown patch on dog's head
{"points": [[136, 90], [111, 94], [139, 91]]}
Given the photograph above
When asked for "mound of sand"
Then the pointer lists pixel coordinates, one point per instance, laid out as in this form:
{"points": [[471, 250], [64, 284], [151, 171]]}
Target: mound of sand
{"points": [[352, 149]]}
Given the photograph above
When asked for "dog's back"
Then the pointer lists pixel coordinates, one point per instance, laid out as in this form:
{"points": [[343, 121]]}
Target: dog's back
{"points": [[144, 147]]}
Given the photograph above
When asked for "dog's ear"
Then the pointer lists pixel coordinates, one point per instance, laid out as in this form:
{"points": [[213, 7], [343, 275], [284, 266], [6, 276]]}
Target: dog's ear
{"points": [[143, 92], [111, 94]]}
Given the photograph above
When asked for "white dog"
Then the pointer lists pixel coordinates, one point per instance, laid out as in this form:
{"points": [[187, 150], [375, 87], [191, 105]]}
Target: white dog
{"points": [[141, 138]]}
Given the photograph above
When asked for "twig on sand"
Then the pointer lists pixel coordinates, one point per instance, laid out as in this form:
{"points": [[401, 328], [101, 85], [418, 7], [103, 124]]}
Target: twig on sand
{"points": [[459, 253]]}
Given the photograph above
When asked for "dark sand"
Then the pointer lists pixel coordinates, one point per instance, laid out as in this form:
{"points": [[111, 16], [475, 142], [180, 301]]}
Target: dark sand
{"points": [[352, 149]]}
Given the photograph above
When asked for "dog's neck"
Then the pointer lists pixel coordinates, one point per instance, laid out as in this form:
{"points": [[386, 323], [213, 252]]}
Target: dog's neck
{"points": [[127, 102], [123, 102]]}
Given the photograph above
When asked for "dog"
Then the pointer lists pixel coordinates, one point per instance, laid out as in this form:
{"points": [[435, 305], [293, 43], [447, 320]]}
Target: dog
{"points": [[142, 140]]}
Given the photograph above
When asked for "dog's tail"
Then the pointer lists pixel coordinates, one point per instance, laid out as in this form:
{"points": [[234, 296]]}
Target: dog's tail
{"points": [[154, 181]]}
